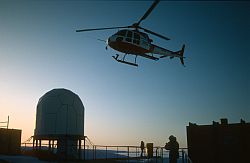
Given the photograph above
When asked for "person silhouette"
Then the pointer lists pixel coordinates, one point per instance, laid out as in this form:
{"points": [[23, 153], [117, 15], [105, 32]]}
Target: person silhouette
{"points": [[142, 148], [173, 147]]}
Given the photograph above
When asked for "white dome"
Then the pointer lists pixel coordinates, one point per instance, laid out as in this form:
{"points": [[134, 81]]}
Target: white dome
{"points": [[59, 112]]}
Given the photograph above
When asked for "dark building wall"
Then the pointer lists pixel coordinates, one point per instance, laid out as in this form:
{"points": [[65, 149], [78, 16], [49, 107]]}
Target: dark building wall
{"points": [[10, 141], [219, 143]]}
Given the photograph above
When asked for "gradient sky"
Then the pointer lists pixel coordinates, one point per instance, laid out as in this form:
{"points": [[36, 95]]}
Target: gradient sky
{"points": [[40, 50]]}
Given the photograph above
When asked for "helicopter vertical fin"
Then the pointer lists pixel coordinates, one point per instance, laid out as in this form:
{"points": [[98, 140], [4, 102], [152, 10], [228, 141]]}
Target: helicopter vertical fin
{"points": [[181, 53]]}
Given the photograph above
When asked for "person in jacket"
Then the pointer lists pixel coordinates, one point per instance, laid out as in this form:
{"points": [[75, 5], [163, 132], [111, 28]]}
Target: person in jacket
{"points": [[173, 147], [142, 148]]}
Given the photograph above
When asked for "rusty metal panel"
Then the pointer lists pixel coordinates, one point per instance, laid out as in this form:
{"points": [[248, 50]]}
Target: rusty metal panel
{"points": [[10, 140]]}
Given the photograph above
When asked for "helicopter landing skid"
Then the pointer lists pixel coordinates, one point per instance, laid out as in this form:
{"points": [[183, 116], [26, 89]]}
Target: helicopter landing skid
{"points": [[125, 62]]}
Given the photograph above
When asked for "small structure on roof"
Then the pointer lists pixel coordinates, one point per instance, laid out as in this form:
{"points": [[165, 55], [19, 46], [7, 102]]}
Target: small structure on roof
{"points": [[10, 141]]}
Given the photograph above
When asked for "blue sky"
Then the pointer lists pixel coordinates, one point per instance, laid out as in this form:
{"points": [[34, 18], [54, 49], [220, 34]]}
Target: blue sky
{"points": [[40, 50]]}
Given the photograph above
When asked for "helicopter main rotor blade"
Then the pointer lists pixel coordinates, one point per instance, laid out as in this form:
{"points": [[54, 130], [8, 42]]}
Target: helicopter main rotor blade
{"points": [[148, 12], [96, 29], [153, 33]]}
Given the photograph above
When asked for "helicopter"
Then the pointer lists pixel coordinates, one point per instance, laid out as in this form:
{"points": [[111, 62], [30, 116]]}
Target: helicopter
{"points": [[130, 40]]}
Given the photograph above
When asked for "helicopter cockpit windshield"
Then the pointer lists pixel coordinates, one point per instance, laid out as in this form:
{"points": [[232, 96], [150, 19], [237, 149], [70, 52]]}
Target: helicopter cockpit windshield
{"points": [[130, 36]]}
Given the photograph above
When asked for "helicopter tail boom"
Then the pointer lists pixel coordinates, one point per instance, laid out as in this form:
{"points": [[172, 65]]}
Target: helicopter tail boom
{"points": [[167, 53]]}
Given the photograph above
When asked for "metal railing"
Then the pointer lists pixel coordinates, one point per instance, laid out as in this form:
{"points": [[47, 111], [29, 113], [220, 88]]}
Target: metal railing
{"points": [[122, 153], [132, 154]]}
